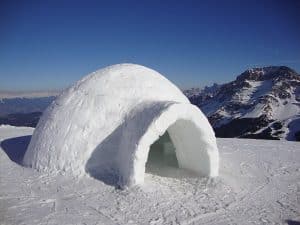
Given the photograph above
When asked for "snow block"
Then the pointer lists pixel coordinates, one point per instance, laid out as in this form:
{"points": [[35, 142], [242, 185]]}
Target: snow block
{"points": [[108, 120]]}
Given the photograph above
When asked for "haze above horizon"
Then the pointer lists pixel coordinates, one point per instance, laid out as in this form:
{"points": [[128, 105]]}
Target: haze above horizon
{"points": [[46, 45]]}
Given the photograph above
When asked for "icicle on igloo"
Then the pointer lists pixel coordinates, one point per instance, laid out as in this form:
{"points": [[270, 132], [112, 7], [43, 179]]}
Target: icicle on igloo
{"points": [[106, 122]]}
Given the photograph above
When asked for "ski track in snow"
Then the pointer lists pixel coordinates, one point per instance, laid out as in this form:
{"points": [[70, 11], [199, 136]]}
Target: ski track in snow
{"points": [[259, 183]]}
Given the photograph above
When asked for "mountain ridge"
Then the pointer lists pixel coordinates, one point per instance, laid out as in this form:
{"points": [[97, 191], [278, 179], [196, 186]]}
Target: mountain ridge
{"points": [[256, 99], [261, 103]]}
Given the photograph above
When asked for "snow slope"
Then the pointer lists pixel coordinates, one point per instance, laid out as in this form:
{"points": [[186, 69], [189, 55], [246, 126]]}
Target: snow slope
{"points": [[259, 183]]}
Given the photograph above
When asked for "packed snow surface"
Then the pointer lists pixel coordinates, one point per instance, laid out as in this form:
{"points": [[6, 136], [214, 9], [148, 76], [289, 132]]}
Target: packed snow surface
{"points": [[106, 122], [259, 183]]}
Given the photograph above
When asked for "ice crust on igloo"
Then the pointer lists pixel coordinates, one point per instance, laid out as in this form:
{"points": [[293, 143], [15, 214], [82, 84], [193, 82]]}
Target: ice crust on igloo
{"points": [[106, 122]]}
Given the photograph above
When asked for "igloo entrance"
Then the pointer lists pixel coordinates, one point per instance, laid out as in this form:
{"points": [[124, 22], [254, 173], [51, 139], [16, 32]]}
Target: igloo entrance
{"points": [[179, 152], [162, 156]]}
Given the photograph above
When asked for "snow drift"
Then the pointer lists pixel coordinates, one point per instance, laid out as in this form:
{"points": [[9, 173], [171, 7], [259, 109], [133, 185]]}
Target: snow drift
{"points": [[107, 121]]}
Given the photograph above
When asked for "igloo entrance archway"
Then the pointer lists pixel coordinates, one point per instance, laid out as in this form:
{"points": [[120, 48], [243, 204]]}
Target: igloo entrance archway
{"points": [[189, 131], [107, 121], [178, 147]]}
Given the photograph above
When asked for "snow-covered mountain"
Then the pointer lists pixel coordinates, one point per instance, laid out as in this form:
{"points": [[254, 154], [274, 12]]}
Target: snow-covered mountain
{"points": [[19, 110], [260, 103], [27, 94], [24, 105]]}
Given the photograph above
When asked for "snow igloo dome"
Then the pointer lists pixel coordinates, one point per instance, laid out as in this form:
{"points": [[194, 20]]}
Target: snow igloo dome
{"points": [[106, 123]]}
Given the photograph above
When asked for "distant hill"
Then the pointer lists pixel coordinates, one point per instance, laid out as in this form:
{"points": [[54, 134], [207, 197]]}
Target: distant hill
{"points": [[21, 119], [262, 103], [24, 105], [23, 111]]}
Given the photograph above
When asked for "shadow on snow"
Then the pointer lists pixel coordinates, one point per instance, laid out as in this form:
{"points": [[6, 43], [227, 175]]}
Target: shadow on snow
{"points": [[15, 148]]}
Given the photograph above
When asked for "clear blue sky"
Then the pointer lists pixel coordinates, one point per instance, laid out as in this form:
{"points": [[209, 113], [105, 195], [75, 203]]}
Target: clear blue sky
{"points": [[51, 44]]}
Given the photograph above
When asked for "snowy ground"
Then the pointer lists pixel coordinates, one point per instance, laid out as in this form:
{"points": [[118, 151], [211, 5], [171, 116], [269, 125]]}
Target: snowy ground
{"points": [[259, 183]]}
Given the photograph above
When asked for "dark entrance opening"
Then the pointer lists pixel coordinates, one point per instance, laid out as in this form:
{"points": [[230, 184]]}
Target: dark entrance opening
{"points": [[162, 157]]}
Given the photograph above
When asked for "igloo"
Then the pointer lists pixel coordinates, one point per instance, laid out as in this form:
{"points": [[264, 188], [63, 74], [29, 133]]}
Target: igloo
{"points": [[108, 120]]}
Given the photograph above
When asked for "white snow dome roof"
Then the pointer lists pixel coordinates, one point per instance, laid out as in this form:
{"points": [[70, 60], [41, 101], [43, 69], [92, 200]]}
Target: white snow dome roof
{"points": [[107, 121]]}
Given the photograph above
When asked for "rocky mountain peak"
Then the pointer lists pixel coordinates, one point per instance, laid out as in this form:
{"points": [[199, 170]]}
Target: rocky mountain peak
{"points": [[253, 102], [267, 73]]}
